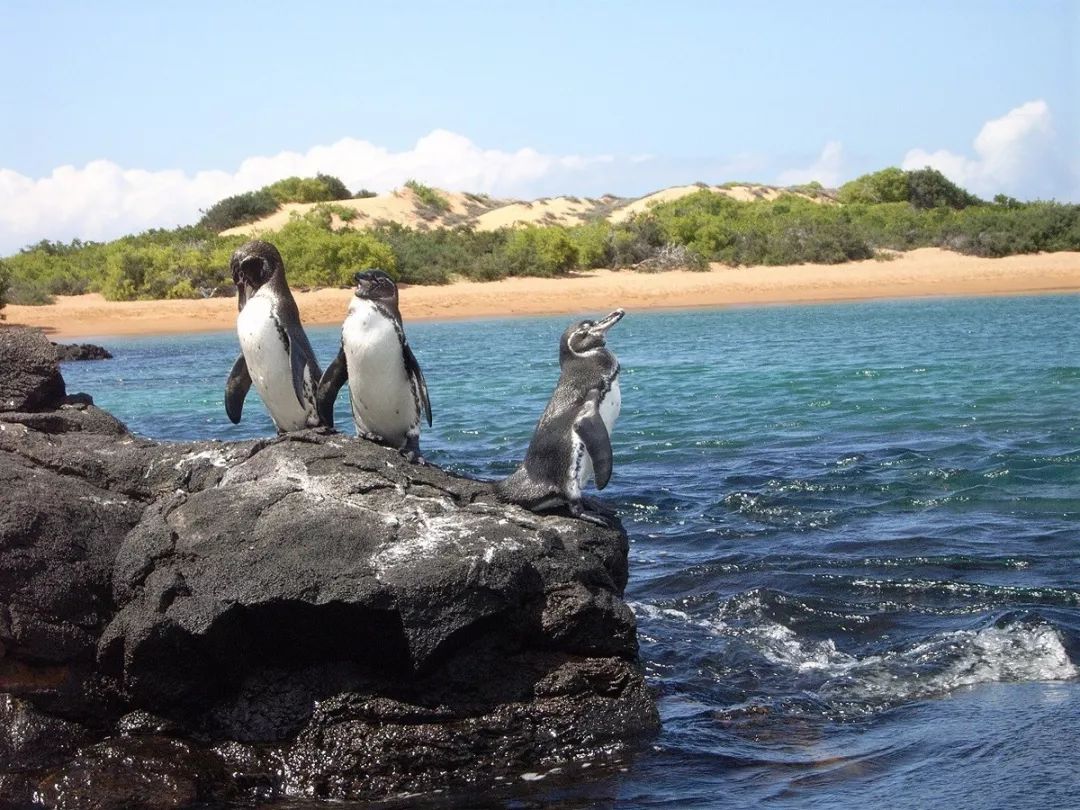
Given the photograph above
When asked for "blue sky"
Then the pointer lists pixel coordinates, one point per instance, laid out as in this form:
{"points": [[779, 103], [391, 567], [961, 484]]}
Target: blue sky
{"points": [[121, 116]]}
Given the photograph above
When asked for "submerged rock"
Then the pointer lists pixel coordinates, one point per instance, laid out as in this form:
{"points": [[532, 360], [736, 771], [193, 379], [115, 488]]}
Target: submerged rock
{"points": [[69, 352], [305, 616]]}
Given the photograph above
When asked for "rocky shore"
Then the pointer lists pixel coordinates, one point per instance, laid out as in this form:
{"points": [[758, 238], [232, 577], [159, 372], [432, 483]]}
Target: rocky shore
{"points": [[299, 617]]}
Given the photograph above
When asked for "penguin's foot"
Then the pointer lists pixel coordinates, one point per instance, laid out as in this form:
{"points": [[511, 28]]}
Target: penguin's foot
{"points": [[578, 511], [411, 450], [413, 457]]}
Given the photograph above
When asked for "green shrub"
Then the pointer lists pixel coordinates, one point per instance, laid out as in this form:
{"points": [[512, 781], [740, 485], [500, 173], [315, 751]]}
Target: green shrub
{"points": [[1029, 228], [533, 251], [317, 256], [435, 256], [27, 292], [428, 197], [364, 194], [320, 188], [886, 186], [186, 262], [638, 239], [5, 281], [595, 244], [787, 230], [342, 212], [924, 188], [929, 188], [334, 187], [240, 209]]}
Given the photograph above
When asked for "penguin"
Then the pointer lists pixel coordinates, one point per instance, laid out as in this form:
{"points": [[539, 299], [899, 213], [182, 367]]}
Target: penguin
{"points": [[275, 353], [572, 441], [387, 390]]}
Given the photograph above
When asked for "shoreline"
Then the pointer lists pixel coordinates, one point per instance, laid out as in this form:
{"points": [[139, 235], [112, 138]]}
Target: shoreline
{"points": [[922, 273]]}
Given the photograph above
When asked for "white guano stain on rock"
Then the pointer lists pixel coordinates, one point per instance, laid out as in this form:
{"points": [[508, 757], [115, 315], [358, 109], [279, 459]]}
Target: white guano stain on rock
{"points": [[215, 457]]}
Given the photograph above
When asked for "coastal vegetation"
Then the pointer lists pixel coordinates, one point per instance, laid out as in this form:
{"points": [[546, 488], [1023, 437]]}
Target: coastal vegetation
{"points": [[240, 209], [5, 280], [889, 210]]}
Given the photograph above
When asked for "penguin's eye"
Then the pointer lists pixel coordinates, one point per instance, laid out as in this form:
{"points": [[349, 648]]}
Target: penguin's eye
{"points": [[251, 267]]}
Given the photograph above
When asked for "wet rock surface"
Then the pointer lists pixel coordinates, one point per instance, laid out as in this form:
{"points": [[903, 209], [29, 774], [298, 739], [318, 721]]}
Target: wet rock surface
{"points": [[69, 352], [298, 617]]}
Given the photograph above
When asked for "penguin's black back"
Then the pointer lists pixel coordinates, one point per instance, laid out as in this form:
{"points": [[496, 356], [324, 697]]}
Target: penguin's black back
{"points": [[549, 456]]}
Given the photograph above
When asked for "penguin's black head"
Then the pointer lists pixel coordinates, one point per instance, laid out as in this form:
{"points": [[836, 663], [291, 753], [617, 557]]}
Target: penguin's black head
{"points": [[254, 264], [375, 285], [587, 336]]}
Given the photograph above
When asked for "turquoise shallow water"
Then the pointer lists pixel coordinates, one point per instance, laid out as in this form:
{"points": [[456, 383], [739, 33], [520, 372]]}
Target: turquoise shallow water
{"points": [[855, 535]]}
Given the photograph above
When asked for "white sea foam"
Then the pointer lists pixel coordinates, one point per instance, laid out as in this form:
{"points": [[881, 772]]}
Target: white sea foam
{"points": [[643, 610], [1018, 652]]}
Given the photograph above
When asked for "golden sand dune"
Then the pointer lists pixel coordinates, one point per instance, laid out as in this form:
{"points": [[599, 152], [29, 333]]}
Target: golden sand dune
{"points": [[402, 206], [549, 211], [484, 213], [919, 273]]}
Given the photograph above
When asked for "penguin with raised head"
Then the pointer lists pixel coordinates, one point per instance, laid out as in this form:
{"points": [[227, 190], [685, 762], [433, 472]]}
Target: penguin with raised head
{"points": [[275, 353], [572, 441], [387, 390]]}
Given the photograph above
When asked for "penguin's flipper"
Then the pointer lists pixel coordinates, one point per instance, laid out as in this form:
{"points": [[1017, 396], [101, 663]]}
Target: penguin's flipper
{"points": [[417, 376], [236, 388], [305, 369], [594, 435], [329, 384]]}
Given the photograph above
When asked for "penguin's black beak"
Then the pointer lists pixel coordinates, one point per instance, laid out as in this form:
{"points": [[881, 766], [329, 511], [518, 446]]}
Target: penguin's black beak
{"points": [[241, 294], [601, 326]]}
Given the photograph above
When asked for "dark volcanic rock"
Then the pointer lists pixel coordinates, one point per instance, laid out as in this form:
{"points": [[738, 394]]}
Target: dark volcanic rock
{"points": [[68, 352], [29, 372], [71, 352], [306, 616], [145, 772]]}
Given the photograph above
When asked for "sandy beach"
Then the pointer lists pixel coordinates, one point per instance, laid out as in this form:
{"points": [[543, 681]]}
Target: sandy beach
{"points": [[919, 273]]}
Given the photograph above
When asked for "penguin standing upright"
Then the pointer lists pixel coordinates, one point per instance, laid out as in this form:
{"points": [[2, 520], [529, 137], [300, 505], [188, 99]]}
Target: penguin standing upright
{"points": [[275, 353], [572, 441], [387, 390]]}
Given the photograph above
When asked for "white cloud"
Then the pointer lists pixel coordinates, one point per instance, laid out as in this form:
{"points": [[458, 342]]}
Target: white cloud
{"points": [[827, 169], [1018, 154], [103, 200]]}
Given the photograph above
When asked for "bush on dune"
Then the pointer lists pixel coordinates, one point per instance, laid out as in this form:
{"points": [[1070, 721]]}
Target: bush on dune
{"points": [[317, 256], [429, 198], [320, 188], [923, 188], [240, 209]]}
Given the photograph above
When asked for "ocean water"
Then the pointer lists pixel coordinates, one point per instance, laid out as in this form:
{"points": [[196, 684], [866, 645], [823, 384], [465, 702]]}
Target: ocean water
{"points": [[854, 536]]}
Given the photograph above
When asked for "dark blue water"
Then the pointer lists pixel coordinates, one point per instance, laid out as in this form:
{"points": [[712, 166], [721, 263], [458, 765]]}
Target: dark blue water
{"points": [[855, 535]]}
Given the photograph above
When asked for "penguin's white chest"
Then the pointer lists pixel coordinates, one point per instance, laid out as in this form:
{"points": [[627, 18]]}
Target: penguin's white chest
{"points": [[267, 357], [383, 401], [610, 406]]}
